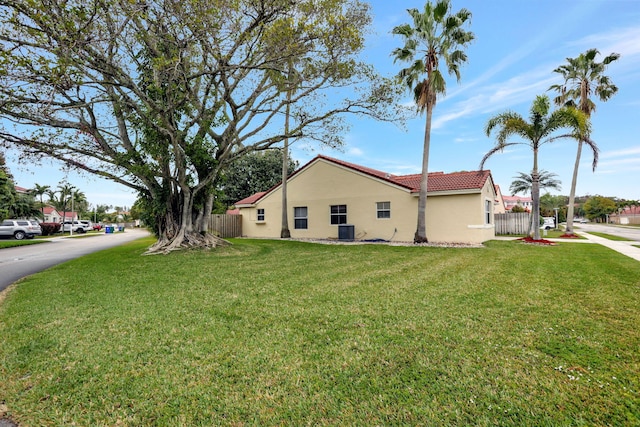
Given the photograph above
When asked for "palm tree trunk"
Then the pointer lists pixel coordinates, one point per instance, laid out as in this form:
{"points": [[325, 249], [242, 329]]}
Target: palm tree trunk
{"points": [[572, 194], [284, 232], [421, 231], [535, 196]]}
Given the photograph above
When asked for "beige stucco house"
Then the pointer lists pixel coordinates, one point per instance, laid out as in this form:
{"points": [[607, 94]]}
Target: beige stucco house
{"points": [[328, 198]]}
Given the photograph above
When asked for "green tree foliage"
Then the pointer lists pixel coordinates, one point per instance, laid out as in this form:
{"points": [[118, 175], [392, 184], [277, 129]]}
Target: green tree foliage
{"points": [[523, 182], [253, 173], [582, 77], [13, 204], [7, 189], [39, 191], [436, 36], [597, 208], [161, 96], [549, 204], [541, 128]]}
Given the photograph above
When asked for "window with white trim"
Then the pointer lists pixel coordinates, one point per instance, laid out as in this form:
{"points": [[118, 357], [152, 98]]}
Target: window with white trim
{"points": [[383, 210], [338, 214], [260, 215], [300, 220], [488, 211]]}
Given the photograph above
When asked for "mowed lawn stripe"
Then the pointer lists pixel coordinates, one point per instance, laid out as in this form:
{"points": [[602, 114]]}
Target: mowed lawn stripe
{"points": [[294, 333]]}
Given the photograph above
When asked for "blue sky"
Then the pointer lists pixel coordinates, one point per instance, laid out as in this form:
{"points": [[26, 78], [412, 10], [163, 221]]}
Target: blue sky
{"points": [[518, 45]]}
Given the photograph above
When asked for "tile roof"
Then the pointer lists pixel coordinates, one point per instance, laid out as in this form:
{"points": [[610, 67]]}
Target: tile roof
{"points": [[437, 181], [251, 199]]}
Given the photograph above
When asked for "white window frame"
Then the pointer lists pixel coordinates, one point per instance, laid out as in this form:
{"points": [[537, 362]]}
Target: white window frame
{"points": [[297, 217], [337, 215], [488, 212], [260, 215], [383, 208]]}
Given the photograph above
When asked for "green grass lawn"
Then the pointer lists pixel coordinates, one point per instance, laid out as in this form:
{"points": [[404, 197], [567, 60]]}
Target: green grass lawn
{"points": [[610, 236], [290, 333], [11, 243]]}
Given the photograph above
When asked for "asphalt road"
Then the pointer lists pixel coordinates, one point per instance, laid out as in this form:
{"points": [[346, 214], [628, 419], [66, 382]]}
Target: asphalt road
{"points": [[22, 261], [631, 233]]}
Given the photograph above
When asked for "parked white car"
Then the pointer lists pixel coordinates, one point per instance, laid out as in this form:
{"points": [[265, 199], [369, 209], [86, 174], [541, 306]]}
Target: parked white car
{"points": [[77, 227]]}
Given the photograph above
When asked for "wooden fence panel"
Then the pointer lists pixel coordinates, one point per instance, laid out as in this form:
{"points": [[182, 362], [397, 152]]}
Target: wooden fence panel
{"points": [[512, 223], [226, 225]]}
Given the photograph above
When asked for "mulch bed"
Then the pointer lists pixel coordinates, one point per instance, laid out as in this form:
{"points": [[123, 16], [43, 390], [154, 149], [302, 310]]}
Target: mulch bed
{"points": [[569, 236], [532, 241]]}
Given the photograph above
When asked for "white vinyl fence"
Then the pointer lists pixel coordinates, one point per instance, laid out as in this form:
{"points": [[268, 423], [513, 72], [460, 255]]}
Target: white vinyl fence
{"points": [[512, 223]]}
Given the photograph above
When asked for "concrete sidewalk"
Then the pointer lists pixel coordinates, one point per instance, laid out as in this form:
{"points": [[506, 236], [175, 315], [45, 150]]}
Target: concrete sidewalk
{"points": [[624, 247]]}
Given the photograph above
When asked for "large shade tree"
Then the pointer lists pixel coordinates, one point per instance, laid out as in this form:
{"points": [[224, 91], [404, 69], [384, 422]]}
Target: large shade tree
{"points": [[543, 127], [583, 76], [161, 96], [436, 38]]}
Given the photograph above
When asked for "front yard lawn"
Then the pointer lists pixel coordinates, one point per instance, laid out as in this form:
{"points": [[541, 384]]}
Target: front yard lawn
{"points": [[291, 333]]}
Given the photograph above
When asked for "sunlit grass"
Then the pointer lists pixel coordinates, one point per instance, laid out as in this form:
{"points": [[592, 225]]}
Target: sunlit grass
{"points": [[610, 236], [289, 333], [11, 243]]}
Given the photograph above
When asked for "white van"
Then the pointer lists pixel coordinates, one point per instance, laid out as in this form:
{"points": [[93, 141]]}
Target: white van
{"points": [[549, 223]]}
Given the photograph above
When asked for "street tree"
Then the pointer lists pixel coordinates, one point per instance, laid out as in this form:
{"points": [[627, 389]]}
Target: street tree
{"points": [[541, 128], [436, 36], [161, 96], [597, 208], [39, 191], [582, 77], [253, 173]]}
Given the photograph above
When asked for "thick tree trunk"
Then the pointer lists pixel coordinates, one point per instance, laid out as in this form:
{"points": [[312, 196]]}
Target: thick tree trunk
{"points": [[176, 229]]}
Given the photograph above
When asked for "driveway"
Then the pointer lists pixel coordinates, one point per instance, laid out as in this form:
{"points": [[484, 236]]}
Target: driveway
{"points": [[22, 261]]}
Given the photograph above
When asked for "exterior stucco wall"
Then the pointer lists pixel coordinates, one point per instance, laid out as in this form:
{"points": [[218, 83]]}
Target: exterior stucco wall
{"points": [[450, 218]]}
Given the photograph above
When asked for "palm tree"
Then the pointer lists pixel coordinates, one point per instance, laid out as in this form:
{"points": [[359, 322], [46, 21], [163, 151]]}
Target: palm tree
{"points": [[538, 131], [40, 190], [582, 76], [61, 198], [436, 35], [523, 182]]}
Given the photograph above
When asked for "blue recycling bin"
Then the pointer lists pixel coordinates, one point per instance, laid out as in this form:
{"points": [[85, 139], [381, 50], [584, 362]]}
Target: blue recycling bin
{"points": [[108, 229]]}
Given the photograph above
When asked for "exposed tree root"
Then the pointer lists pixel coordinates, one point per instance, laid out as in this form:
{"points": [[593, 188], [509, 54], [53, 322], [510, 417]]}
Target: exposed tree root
{"points": [[192, 240]]}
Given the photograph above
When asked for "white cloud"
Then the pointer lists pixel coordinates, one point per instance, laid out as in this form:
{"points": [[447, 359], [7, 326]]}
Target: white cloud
{"points": [[620, 153]]}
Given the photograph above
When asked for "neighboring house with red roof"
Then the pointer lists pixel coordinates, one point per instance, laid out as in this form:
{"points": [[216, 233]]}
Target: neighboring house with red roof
{"points": [[626, 215], [511, 201], [327, 193], [499, 206], [51, 214]]}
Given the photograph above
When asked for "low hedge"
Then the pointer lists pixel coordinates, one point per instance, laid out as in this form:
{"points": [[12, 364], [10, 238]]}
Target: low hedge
{"points": [[49, 228]]}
